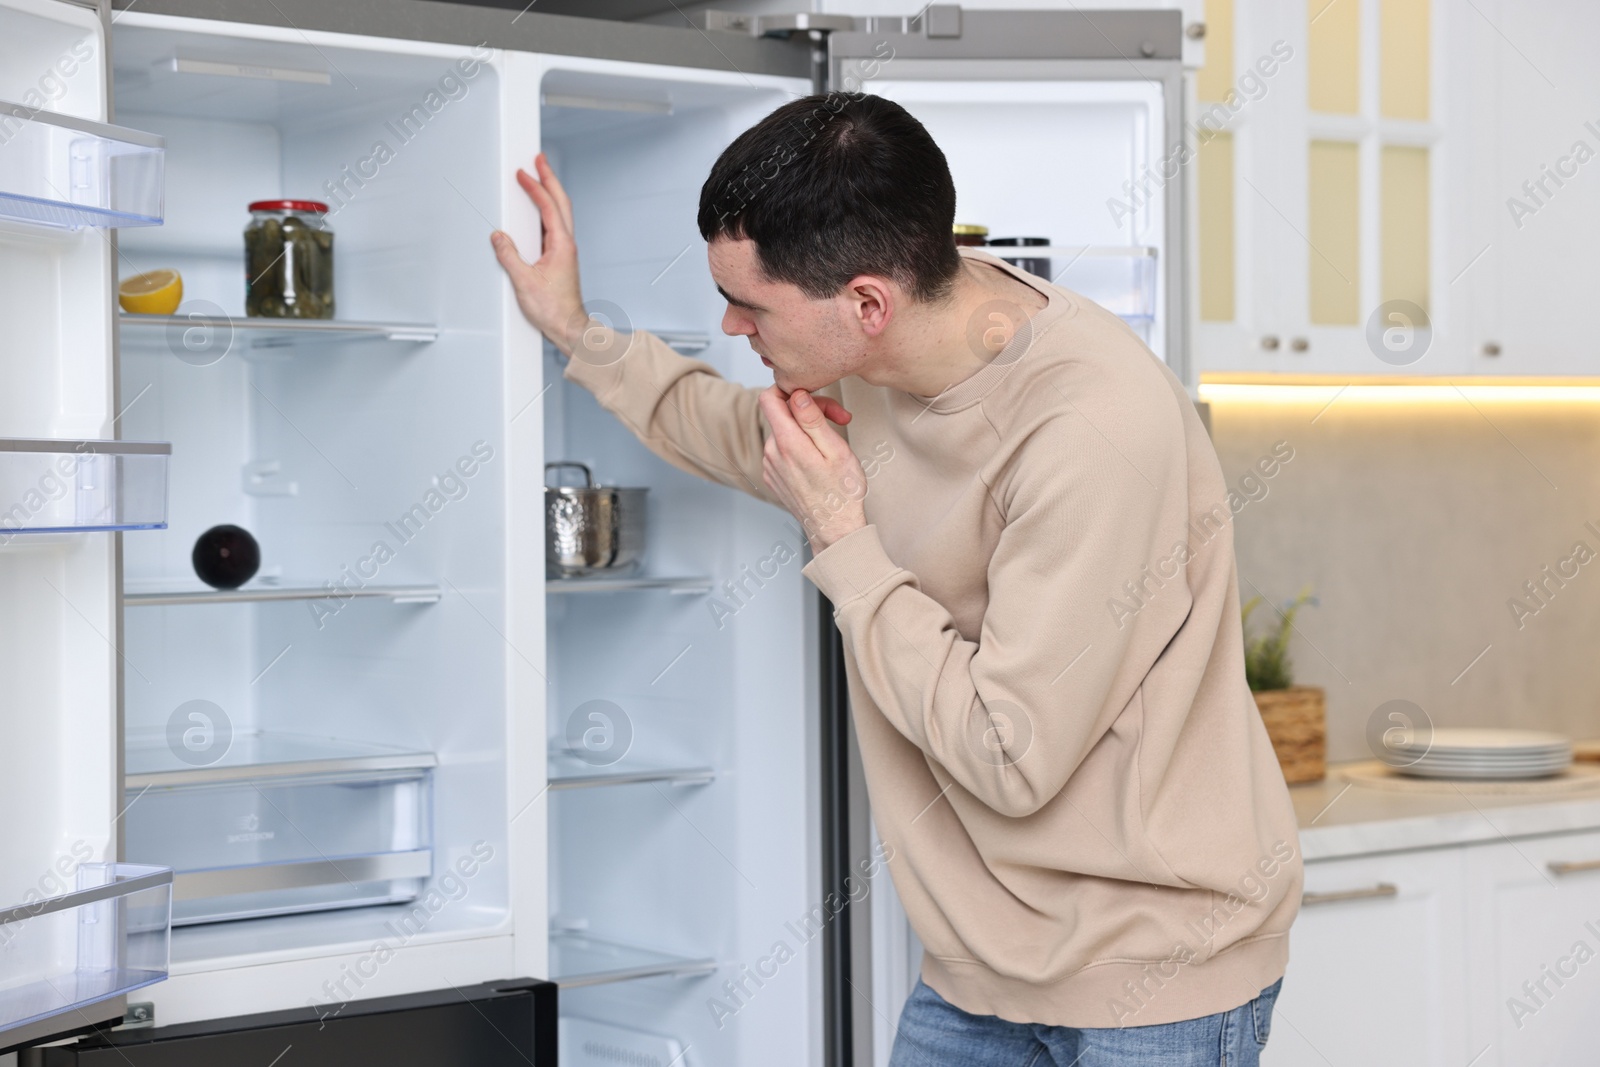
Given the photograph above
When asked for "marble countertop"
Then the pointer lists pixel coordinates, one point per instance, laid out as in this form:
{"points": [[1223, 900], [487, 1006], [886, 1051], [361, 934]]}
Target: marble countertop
{"points": [[1343, 818]]}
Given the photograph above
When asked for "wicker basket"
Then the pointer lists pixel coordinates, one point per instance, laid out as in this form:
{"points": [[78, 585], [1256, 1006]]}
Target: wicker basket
{"points": [[1297, 722]]}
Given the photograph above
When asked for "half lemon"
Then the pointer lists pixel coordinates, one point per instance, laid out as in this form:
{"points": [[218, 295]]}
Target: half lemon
{"points": [[156, 292]]}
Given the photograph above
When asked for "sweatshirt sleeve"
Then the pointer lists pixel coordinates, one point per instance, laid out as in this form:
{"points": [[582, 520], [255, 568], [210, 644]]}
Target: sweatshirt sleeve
{"points": [[680, 408], [1012, 715]]}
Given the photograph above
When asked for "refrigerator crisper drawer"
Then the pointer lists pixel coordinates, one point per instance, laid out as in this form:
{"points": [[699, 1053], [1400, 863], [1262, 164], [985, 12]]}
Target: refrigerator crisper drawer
{"points": [[65, 172], [64, 953], [57, 486], [278, 839]]}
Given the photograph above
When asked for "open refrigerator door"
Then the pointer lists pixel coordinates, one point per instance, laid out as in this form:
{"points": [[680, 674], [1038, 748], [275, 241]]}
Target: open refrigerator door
{"points": [[78, 929]]}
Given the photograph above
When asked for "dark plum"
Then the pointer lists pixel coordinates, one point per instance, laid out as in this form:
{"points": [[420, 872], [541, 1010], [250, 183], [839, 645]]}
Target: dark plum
{"points": [[225, 557]]}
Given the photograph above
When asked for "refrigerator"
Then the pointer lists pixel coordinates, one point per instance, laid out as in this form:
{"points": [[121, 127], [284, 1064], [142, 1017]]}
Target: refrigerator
{"points": [[401, 772]]}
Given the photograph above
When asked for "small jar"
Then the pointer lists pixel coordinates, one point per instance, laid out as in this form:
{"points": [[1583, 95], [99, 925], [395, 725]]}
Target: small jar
{"points": [[288, 260], [969, 234]]}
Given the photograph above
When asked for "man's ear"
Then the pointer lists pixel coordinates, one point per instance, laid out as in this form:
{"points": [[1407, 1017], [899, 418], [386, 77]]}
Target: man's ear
{"points": [[873, 301]]}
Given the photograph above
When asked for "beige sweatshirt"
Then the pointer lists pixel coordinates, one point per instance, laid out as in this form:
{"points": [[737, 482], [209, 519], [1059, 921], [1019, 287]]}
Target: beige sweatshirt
{"points": [[1086, 821]]}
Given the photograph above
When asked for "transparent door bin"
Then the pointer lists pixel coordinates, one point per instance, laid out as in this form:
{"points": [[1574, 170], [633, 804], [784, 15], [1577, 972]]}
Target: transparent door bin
{"points": [[311, 825], [51, 486], [109, 936], [68, 173], [1121, 279]]}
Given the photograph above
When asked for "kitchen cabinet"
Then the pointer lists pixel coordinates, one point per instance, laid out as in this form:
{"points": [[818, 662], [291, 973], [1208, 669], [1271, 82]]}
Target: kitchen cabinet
{"points": [[1376, 965], [1533, 916], [1533, 215], [1331, 144], [1476, 953]]}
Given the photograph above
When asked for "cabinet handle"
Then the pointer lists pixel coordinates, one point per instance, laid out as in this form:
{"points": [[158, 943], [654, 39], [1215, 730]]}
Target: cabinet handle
{"points": [[1270, 342], [1561, 867], [1299, 344], [1491, 348], [1382, 889]]}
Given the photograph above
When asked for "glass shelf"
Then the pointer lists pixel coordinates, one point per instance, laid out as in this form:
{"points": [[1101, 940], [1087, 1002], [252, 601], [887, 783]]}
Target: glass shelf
{"points": [[150, 760], [579, 960], [686, 586], [1070, 252], [569, 772], [68, 173], [687, 342], [60, 486], [148, 330], [684, 340], [161, 593], [110, 936]]}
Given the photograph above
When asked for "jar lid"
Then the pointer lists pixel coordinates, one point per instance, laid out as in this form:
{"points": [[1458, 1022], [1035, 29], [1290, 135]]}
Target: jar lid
{"points": [[967, 229], [290, 205]]}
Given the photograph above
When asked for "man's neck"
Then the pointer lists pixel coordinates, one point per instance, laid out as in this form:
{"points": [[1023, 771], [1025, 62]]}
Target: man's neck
{"points": [[934, 346]]}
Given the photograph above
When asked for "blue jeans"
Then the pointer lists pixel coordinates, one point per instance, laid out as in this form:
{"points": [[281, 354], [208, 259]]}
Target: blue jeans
{"points": [[936, 1033]]}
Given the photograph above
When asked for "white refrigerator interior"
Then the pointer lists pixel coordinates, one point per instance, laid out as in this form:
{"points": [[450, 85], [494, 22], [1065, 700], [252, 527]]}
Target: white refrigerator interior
{"points": [[712, 680], [379, 794]]}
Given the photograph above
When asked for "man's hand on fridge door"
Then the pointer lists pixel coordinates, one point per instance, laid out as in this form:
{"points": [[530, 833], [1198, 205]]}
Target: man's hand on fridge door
{"points": [[810, 467], [547, 289]]}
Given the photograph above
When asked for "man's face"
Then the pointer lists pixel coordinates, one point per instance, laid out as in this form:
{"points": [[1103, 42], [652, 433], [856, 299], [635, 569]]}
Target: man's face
{"points": [[808, 343]]}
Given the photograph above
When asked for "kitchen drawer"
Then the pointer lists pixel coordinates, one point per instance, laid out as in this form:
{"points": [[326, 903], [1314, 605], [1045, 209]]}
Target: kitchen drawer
{"points": [[284, 825]]}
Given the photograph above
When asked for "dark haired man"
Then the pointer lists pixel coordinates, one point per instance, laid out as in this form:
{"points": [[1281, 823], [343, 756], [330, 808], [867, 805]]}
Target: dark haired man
{"points": [[1038, 599]]}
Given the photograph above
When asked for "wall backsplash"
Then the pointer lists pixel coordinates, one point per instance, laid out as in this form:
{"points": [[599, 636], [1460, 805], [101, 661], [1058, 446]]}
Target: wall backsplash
{"points": [[1418, 524]]}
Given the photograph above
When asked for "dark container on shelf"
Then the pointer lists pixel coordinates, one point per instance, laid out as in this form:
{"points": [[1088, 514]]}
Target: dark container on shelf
{"points": [[288, 260], [1038, 266]]}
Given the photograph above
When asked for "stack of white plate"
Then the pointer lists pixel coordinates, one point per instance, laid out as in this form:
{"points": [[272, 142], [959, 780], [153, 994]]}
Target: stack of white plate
{"points": [[1482, 754]]}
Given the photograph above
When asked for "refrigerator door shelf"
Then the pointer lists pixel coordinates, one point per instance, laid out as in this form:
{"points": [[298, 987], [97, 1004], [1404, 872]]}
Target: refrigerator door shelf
{"points": [[67, 173], [217, 334], [188, 591], [578, 960], [61, 486], [1120, 279], [686, 586], [278, 824], [110, 936]]}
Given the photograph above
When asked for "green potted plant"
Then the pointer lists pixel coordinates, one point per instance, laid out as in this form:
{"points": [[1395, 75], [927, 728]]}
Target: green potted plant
{"points": [[1295, 715]]}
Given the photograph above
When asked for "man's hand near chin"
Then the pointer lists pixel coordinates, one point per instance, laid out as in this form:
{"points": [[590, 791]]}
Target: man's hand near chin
{"points": [[810, 467]]}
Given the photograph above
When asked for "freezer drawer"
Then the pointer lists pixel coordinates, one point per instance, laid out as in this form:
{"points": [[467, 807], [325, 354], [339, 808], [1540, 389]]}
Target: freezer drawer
{"points": [[67, 952], [509, 1023], [304, 825]]}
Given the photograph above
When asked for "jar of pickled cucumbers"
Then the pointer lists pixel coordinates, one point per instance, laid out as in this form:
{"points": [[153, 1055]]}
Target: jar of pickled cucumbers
{"points": [[288, 260]]}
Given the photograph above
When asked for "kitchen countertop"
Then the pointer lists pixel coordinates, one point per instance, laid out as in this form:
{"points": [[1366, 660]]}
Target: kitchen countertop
{"points": [[1341, 818]]}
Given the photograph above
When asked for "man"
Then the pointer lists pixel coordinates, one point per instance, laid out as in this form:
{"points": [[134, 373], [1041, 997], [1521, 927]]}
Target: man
{"points": [[1038, 599]]}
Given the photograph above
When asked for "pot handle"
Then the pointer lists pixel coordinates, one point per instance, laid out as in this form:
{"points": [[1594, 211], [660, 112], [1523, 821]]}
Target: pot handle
{"points": [[588, 477]]}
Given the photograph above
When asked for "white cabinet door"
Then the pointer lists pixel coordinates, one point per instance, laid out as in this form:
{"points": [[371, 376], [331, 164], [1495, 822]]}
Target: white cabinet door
{"points": [[1339, 159], [1534, 951], [1375, 965], [1534, 208]]}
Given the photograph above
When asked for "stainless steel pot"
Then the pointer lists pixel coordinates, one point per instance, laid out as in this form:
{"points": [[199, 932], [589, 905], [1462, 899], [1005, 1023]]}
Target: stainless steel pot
{"points": [[591, 529]]}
